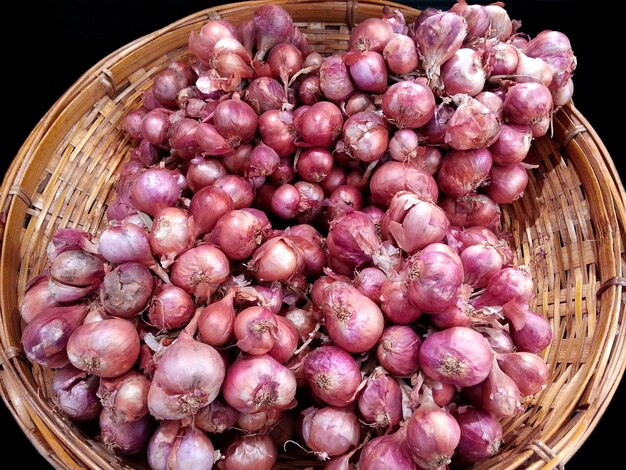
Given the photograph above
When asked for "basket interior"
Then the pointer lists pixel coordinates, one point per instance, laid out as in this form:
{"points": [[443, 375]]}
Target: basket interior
{"points": [[568, 228]]}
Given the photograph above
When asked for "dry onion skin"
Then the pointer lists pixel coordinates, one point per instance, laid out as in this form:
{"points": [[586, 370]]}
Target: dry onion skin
{"points": [[304, 246]]}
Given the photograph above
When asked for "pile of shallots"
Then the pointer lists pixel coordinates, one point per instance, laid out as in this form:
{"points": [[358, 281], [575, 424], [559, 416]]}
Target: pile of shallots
{"points": [[305, 251]]}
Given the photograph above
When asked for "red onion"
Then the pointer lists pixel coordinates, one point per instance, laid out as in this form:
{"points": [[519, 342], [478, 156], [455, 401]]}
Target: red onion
{"points": [[400, 54], [236, 121], [531, 69], [155, 126], [320, 125], [173, 232], [463, 171], [309, 242], [464, 73], [335, 80], [380, 401], [555, 49], [256, 330], [284, 61], [358, 102], [369, 282], [66, 293], [314, 164], [477, 18], [563, 94], [170, 308], [265, 93], [216, 417], [107, 348], [503, 59], [435, 275], [371, 34], [391, 177], [256, 451], [336, 177], [37, 298], [368, 70], [481, 434], [239, 190], [333, 375], [311, 198], [404, 146], [237, 162], [133, 122], [302, 320], [511, 283], [412, 223], [432, 434], [239, 232], [534, 336], [200, 271], [261, 422], [216, 322], [365, 136], [388, 451], [395, 301], [166, 85], [529, 104], [352, 238], [286, 340], [459, 239], [182, 138], [494, 102], [154, 189], [353, 321], [472, 209], [512, 144], [285, 173], [270, 296], [201, 43], [409, 104], [344, 199], [127, 438], [529, 372], [499, 339], [438, 37], [272, 25], [329, 432], [500, 25], [125, 290], [259, 383], [175, 448], [277, 131], [125, 397], [309, 90], [207, 206], [480, 263], [499, 393], [459, 356], [263, 161], [45, 338], [278, 259], [188, 377], [472, 126], [75, 393], [398, 350], [77, 268], [457, 314], [507, 183]]}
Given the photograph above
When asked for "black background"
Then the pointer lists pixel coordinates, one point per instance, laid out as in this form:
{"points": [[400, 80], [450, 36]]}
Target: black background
{"points": [[47, 46]]}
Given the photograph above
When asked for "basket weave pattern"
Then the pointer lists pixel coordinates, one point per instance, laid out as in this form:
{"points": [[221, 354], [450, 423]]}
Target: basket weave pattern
{"points": [[569, 228]]}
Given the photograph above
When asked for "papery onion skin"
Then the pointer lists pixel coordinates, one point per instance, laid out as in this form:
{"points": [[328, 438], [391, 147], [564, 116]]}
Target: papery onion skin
{"points": [[45, 338], [188, 377], [380, 401], [256, 330], [372, 34], [391, 177], [529, 371], [107, 348], [365, 136], [335, 81], [77, 268], [481, 434], [126, 438], [200, 270], [126, 290], [459, 356], [75, 393], [329, 431], [216, 417], [170, 308], [255, 451], [398, 350], [153, 190], [278, 259], [333, 375], [534, 336], [386, 452], [464, 171], [259, 383], [353, 321], [125, 397], [409, 104]]}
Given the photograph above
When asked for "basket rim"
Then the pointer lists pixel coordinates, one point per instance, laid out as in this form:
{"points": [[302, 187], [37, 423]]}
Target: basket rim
{"points": [[98, 80]]}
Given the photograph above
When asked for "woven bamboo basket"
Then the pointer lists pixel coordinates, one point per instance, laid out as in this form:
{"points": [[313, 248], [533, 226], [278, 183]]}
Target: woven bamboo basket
{"points": [[569, 228]]}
